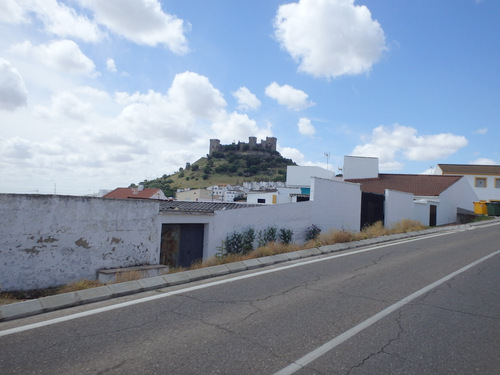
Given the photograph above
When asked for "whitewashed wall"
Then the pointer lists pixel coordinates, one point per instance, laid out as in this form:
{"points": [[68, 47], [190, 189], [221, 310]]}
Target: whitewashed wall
{"points": [[334, 205], [50, 240], [398, 206], [421, 211], [460, 194], [301, 176], [360, 167], [490, 192]]}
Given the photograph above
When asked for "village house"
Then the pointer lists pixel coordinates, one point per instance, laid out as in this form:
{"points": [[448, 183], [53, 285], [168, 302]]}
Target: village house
{"points": [[484, 179], [136, 193]]}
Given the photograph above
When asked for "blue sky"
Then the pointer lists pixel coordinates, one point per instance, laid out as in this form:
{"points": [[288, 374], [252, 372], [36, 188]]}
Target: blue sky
{"points": [[98, 95]]}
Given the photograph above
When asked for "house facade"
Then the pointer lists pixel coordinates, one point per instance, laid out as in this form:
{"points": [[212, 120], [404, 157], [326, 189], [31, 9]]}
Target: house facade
{"points": [[195, 195], [484, 179]]}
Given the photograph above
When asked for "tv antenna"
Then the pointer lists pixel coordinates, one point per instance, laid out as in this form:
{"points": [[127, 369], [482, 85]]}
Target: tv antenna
{"points": [[327, 156]]}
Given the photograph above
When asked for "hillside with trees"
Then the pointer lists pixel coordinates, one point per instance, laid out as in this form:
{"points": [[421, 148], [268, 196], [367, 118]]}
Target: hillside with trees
{"points": [[227, 167]]}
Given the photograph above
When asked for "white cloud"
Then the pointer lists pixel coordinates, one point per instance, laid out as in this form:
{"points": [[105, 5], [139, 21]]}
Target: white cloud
{"points": [[59, 19], [329, 38], [387, 143], [195, 93], [11, 11], [288, 96], [246, 99], [483, 161], [110, 65], [305, 127], [141, 21], [481, 131], [236, 126], [61, 55], [13, 92], [292, 153], [17, 148], [66, 104]]}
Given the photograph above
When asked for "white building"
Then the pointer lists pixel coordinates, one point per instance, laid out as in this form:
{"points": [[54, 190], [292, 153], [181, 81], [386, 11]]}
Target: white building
{"points": [[196, 195], [484, 179]]}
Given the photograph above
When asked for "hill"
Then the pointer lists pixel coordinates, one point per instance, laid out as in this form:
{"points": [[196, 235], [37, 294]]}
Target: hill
{"points": [[223, 168]]}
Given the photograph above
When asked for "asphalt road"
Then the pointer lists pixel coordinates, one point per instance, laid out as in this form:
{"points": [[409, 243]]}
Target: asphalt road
{"points": [[428, 305]]}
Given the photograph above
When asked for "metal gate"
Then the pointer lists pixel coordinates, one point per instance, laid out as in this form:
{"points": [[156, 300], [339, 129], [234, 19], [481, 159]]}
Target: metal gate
{"points": [[181, 244], [372, 209]]}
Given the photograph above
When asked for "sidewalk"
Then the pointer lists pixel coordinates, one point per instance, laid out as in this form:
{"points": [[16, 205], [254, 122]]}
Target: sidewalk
{"points": [[86, 296]]}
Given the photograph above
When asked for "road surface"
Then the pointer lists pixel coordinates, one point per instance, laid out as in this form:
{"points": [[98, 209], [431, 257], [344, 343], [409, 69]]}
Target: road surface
{"points": [[427, 305]]}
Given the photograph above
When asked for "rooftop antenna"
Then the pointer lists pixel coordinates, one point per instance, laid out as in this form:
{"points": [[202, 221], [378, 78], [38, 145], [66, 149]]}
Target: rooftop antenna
{"points": [[327, 156]]}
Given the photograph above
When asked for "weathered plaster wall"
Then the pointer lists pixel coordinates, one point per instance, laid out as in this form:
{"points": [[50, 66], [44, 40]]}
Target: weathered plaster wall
{"points": [[50, 240], [398, 206]]}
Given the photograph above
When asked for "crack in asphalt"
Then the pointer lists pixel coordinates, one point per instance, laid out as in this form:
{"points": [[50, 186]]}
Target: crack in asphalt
{"points": [[382, 350]]}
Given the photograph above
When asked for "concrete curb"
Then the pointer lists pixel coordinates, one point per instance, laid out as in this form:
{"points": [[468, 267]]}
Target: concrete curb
{"points": [[86, 296]]}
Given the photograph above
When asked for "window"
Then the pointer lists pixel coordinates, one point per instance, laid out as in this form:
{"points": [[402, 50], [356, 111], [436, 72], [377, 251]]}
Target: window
{"points": [[480, 182], [497, 183], [261, 200]]}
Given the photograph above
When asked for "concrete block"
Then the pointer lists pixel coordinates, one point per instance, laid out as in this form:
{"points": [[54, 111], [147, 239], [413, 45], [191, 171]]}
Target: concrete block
{"points": [[20, 309], [306, 253], [60, 301], [126, 288], [236, 267], [198, 274], [267, 261], [176, 278], [293, 255], [280, 258], [152, 283], [252, 263], [95, 294], [218, 270]]}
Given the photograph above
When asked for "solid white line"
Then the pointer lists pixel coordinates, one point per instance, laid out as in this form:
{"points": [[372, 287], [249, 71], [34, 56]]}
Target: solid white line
{"points": [[323, 349], [207, 285]]}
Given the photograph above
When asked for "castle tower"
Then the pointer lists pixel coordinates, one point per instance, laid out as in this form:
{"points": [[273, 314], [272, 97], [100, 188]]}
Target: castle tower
{"points": [[214, 146], [271, 144], [252, 142]]}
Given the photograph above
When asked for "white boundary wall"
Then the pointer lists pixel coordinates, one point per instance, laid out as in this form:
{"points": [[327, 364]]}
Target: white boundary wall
{"points": [[50, 240], [333, 205], [460, 194], [398, 206]]}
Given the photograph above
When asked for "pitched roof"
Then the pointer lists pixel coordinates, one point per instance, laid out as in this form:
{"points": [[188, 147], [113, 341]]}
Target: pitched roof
{"points": [[420, 185], [201, 207], [475, 169], [125, 193]]}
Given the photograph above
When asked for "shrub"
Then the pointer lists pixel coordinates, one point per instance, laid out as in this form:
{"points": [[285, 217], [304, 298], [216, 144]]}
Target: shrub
{"points": [[285, 236], [247, 239], [233, 243], [312, 232], [266, 235]]}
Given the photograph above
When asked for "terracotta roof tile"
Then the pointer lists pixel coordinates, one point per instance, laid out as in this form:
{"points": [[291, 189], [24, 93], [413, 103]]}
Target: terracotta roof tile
{"points": [[125, 193], [419, 185]]}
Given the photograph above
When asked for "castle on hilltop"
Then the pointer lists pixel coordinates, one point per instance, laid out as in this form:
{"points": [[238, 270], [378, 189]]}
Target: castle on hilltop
{"points": [[267, 146]]}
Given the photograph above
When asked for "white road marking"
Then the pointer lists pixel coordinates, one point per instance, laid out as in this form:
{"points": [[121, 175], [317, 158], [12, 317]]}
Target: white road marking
{"points": [[207, 285], [323, 349]]}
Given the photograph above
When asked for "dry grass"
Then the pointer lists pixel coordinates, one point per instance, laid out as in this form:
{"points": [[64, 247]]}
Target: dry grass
{"points": [[121, 277], [79, 285]]}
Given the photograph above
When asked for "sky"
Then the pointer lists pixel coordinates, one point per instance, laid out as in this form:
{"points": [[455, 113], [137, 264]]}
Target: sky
{"points": [[101, 94]]}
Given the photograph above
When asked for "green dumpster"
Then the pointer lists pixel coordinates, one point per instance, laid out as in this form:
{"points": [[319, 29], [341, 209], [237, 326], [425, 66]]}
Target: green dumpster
{"points": [[493, 208]]}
